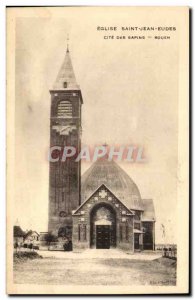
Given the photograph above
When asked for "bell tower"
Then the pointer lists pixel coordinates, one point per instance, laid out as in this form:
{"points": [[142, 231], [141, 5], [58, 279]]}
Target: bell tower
{"points": [[65, 130]]}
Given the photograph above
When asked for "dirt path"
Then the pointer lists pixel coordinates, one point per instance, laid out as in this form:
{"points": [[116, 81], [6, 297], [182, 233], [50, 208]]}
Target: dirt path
{"points": [[96, 271], [100, 253]]}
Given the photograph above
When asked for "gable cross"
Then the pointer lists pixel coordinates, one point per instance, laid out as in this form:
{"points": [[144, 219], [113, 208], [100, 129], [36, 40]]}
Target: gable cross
{"points": [[103, 194]]}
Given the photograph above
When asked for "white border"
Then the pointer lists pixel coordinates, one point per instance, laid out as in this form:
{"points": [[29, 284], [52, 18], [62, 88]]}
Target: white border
{"points": [[3, 4]]}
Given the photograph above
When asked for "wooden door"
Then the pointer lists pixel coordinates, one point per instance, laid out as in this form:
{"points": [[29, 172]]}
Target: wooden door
{"points": [[103, 236]]}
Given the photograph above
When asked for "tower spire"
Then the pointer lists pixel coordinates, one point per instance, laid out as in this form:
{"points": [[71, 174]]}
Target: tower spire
{"points": [[66, 79], [67, 49]]}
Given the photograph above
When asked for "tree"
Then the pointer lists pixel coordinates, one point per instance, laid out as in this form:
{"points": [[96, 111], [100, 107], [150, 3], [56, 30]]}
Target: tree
{"points": [[16, 246], [30, 246], [49, 238]]}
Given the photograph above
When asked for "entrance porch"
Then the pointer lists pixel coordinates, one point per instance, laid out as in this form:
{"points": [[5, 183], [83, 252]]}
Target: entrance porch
{"points": [[103, 222]]}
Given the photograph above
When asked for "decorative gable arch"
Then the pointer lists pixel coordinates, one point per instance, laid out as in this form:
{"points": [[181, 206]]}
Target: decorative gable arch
{"points": [[103, 221]]}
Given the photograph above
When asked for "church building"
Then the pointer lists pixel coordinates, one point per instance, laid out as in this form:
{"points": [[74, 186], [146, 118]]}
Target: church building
{"points": [[102, 209]]}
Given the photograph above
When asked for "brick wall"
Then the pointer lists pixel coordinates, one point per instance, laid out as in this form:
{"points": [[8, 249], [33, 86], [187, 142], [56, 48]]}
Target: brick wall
{"points": [[83, 221], [65, 177]]}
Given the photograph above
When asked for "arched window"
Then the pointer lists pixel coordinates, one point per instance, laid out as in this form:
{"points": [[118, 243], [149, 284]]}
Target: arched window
{"points": [[64, 109]]}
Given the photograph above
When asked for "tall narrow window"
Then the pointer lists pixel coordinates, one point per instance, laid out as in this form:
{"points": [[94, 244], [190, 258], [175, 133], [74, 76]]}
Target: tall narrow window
{"points": [[65, 84], [79, 232], [121, 233], [127, 233], [85, 232], [64, 109]]}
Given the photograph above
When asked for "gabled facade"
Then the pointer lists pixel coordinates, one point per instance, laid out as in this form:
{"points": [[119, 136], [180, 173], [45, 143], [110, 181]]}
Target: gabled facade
{"points": [[103, 221], [31, 237]]}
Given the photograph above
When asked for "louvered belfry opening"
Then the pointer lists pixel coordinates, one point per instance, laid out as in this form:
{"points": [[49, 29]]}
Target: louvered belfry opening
{"points": [[64, 109]]}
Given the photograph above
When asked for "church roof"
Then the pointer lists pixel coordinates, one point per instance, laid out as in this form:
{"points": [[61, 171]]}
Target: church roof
{"points": [[18, 232], [149, 212], [30, 232], [115, 178], [66, 79]]}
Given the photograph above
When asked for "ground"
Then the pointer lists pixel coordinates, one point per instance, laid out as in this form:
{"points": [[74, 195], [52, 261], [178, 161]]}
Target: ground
{"points": [[96, 267]]}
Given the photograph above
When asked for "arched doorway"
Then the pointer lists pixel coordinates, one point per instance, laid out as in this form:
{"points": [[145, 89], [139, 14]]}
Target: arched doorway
{"points": [[103, 227]]}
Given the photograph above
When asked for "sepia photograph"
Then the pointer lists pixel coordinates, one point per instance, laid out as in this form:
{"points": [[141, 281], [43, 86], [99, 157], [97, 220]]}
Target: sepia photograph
{"points": [[97, 150]]}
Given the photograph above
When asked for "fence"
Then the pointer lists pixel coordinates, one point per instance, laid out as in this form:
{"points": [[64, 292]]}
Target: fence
{"points": [[169, 251]]}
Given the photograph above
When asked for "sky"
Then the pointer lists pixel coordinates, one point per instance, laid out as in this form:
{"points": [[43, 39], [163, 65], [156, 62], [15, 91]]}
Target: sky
{"points": [[130, 93]]}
